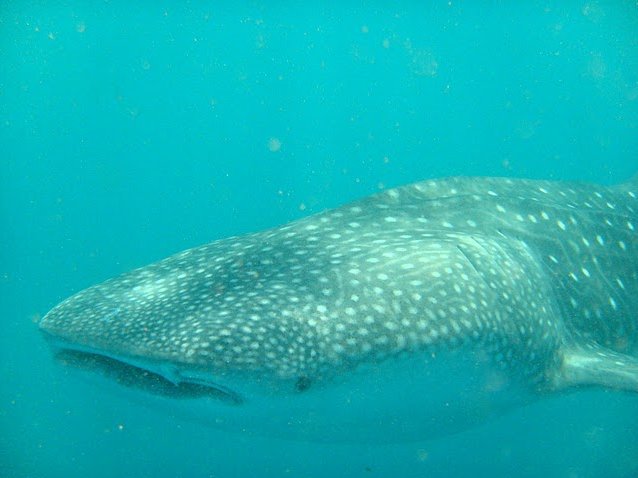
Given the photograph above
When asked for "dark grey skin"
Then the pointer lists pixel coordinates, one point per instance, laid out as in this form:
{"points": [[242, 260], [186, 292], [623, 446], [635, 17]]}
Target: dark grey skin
{"points": [[415, 312]]}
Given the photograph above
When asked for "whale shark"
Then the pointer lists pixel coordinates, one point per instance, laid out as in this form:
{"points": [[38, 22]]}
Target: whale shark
{"points": [[416, 312]]}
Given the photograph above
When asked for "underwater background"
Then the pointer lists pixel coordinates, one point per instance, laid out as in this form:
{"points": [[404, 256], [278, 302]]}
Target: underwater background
{"points": [[133, 130]]}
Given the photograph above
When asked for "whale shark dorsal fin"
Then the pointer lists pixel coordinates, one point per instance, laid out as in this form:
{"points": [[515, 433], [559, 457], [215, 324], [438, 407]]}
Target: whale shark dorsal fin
{"points": [[597, 366]]}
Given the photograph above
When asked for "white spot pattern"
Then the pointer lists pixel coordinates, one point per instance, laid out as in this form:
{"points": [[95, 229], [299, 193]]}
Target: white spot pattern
{"points": [[501, 264]]}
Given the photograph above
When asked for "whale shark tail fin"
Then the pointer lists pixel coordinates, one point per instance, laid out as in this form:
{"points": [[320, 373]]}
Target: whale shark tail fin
{"points": [[597, 366]]}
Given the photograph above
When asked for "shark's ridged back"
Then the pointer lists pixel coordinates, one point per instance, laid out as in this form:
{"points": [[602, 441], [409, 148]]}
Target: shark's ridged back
{"points": [[585, 235]]}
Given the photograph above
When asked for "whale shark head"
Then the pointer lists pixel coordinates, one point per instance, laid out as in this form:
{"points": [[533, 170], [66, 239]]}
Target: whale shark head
{"points": [[277, 313], [408, 314]]}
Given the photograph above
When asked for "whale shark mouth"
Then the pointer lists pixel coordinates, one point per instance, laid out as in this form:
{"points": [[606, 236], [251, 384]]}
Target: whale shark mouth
{"points": [[133, 376]]}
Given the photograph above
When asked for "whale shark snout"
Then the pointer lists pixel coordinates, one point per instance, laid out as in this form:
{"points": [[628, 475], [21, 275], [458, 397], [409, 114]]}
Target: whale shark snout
{"points": [[416, 311]]}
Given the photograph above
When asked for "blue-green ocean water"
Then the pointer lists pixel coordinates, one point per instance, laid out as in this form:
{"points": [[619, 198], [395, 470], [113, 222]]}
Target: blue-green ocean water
{"points": [[132, 130]]}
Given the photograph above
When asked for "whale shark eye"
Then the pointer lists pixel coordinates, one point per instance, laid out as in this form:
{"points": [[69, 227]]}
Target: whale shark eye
{"points": [[302, 384]]}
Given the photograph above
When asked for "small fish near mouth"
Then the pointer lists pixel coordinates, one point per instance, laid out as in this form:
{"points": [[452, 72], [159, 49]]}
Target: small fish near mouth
{"points": [[139, 378]]}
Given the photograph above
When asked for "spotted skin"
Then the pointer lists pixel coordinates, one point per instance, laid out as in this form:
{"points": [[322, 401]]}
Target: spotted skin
{"points": [[522, 272]]}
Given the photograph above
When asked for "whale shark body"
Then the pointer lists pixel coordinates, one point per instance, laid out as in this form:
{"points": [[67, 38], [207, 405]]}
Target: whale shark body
{"points": [[409, 314]]}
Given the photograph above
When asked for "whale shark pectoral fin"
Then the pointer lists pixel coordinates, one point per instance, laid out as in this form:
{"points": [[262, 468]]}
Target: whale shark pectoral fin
{"points": [[597, 366]]}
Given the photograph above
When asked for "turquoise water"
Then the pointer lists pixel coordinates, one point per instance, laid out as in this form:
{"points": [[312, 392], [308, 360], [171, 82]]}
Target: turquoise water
{"points": [[132, 131]]}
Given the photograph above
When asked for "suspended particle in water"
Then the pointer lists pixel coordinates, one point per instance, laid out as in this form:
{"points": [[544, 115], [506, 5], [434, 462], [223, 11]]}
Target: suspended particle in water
{"points": [[274, 145], [424, 63]]}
